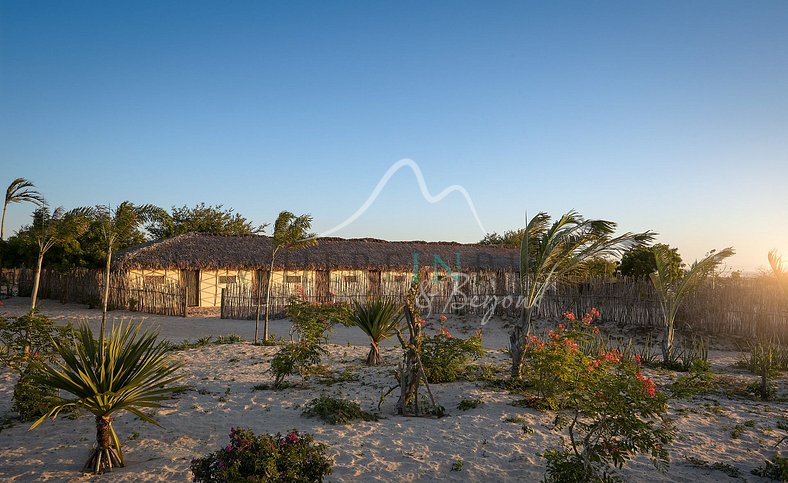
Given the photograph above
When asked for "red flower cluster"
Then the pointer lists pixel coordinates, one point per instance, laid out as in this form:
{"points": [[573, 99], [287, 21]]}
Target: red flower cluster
{"points": [[444, 331], [648, 385], [443, 318], [570, 316], [291, 438], [610, 356], [534, 343], [591, 315]]}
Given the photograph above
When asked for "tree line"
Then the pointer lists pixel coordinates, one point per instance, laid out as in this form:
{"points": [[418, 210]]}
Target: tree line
{"points": [[82, 233]]}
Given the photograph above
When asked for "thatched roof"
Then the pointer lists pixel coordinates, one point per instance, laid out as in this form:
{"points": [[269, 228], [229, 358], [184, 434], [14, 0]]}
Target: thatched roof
{"points": [[195, 251]]}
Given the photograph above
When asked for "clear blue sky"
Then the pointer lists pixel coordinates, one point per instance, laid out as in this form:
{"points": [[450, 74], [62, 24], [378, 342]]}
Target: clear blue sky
{"points": [[670, 116]]}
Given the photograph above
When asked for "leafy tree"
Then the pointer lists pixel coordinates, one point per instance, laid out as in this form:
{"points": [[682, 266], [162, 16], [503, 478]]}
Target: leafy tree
{"points": [[117, 225], [20, 191], [200, 219], [48, 229], [379, 318], [290, 231], [551, 251], [510, 238], [672, 290], [640, 262], [131, 372], [600, 267]]}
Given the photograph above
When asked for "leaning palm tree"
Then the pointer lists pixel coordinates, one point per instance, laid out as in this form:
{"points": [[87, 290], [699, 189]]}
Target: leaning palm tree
{"points": [[115, 226], [131, 372], [549, 252], [290, 231], [20, 191], [671, 290], [379, 318], [51, 228]]}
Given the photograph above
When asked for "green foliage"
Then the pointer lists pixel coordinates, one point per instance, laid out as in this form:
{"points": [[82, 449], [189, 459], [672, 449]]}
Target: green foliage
{"points": [[726, 468], [614, 412], [312, 321], [23, 341], [265, 458], [672, 290], [765, 357], [203, 342], [775, 470], [335, 410], [510, 238], [640, 262], [29, 337], [696, 382], [131, 372], [444, 356], [31, 400], [213, 220], [295, 358], [467, 404], [379, 318], [20, 190], [457, 465]]}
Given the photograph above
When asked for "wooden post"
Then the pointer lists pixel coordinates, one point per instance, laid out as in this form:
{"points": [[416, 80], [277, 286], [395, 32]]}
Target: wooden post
{"points": [[221, 310], [183, 294]]}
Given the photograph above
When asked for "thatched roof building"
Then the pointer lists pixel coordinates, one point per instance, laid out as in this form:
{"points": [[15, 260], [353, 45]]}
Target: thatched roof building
{"points": [[195, 251]]}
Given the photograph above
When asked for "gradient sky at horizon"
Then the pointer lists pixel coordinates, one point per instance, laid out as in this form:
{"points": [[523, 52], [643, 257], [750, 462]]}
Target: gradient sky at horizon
{"points": [[670, 116]]}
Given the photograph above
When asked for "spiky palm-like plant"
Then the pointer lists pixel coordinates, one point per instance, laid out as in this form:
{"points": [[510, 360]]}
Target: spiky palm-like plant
{"points": [[671, 290], [20, 190], [290, 231], [776, 262], [379, 318], [132, 371], [551, 251]]}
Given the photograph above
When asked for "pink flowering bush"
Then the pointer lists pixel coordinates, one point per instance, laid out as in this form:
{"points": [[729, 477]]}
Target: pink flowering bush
{"points": [[611, 412], [293, 457]]}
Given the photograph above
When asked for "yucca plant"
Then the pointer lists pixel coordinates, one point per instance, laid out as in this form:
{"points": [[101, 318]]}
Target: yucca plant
{"points": [[130, 372], [379, 318]]}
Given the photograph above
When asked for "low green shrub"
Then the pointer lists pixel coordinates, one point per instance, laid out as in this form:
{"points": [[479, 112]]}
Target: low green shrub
{"points": [[444, 357], [32, 400], [775, 470], [265, 458], [312, 321], [467, 404], [295, 358], [335, 410], [692, 384]]}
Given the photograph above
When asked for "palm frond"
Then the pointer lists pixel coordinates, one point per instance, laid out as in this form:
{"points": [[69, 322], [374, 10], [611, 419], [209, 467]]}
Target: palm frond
{"points": [[131, 371], [22, 190]]}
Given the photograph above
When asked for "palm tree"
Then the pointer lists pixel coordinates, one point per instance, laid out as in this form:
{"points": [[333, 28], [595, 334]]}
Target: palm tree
{"points": [[118, 225], [131, 372], [290, 231], [551, 251], [379, 318], [49, 229], [20, 190], [671, 289], [776, 262]]}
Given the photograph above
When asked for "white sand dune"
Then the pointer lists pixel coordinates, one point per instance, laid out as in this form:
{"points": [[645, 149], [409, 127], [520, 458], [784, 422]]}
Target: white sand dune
{"points": [[221, 396]]}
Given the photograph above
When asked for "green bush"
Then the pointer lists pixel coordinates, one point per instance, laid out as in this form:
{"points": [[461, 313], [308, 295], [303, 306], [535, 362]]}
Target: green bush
{"points": [[265, 458], [311, 321], [775, 470], [31, 400], [335, 410], [444, 357], [695, 382], [613, 412], [295, 358], [24, 341], [467, 404]]}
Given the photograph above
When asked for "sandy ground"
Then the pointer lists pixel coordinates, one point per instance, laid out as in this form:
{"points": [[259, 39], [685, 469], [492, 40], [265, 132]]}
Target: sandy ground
{"points": [[221, 395]]}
